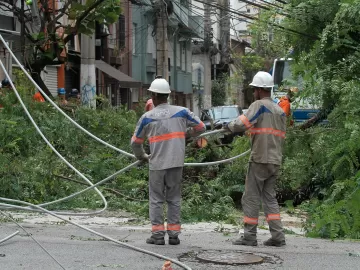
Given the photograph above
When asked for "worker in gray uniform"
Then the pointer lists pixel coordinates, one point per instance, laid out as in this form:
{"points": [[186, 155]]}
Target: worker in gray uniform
{"points": [[166, 127], [266, 123]]}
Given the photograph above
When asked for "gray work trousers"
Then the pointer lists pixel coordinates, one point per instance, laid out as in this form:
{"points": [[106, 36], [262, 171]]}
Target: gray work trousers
{"points": [[165, 185], [260, 187]]}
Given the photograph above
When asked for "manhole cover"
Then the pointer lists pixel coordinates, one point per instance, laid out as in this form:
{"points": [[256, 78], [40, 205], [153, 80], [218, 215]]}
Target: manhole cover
{"points": [[228, 257]]}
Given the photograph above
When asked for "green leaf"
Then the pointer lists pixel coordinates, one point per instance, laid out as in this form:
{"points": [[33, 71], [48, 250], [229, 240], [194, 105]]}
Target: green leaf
{"points": [[111, 17], [84, 30], [39, 36], [49, 54], [75, 6], [72, 15]]}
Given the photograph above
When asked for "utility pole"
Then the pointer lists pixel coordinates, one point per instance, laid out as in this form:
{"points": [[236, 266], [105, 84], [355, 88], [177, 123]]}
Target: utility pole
{"points": [[162, 41], [224, 31], [206, 56], [22, 31], [87, 70]]}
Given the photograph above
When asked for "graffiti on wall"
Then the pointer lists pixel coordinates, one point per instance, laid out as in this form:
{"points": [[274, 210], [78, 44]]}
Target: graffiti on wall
{"points": [[88, 92]]}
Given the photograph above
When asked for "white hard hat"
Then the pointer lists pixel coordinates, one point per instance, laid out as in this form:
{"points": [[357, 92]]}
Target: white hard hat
{"points": [[160, 85], [262, 79]]}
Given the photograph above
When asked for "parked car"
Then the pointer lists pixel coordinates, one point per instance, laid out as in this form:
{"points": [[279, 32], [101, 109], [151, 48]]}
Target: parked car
{"points": [[216, 117]]}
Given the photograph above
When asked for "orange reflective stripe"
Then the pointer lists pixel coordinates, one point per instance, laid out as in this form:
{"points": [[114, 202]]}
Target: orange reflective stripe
{"points": [[173, 227], [166, 137], [249, 220], [245, 120], [273, 217], [199, 126], [270, 131], [156, 228], [137, 140]]}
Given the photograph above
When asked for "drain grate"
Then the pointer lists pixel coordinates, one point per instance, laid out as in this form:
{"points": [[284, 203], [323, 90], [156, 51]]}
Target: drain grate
{"points": [[229, 257]]}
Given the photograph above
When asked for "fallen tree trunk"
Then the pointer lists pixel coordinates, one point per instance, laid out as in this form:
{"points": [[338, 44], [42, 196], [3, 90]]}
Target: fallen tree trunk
{"points": [[321, 115]]}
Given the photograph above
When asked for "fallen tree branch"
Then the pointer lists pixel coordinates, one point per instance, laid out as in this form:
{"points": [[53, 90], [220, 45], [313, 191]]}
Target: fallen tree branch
{"points": [[117, 192], [123, 195], [70, 179]]}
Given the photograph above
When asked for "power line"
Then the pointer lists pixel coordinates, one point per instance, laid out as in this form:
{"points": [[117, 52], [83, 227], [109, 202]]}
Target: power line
{"points": [[284, 30], [255, 18], [282, 2], [254, 4], [271, 4]]}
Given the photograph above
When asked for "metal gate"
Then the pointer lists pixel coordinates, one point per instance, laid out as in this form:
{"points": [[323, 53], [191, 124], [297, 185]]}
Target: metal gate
{"points": [[51, 79]]}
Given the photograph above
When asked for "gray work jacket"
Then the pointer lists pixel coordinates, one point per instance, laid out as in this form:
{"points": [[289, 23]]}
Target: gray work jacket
{"points": [[166, 127]]}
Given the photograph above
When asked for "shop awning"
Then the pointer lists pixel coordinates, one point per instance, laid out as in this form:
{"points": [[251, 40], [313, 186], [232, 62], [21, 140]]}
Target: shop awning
{"points": [[125, 80]]}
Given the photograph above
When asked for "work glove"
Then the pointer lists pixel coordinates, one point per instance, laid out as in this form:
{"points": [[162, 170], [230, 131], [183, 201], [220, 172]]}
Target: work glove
{"points": [[225, 128], [144, 157]]}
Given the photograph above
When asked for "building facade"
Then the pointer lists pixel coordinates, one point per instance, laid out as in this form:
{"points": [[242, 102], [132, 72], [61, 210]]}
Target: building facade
{"points": [[10, 31], [180, 33]]}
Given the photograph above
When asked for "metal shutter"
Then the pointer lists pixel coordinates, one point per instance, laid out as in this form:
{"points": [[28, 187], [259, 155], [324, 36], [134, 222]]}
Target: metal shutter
{"points": [[51, 80]]}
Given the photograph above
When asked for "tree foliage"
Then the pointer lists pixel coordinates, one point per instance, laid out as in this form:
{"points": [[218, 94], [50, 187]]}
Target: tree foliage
{"points": [[31, 172], [218, 91]]}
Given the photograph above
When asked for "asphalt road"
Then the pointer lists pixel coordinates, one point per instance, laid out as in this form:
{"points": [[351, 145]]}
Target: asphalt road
{"points": [[77, 249]]}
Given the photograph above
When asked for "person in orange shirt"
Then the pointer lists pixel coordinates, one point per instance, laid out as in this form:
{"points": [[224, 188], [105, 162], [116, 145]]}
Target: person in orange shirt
{"points": [[285, 102]]}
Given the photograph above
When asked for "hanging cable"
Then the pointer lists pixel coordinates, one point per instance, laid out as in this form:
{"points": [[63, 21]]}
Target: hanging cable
{"points": [[57, 107], [92, 231], [47, 141], [29, 234], [91, 185], [8, 237], [255, 18]]}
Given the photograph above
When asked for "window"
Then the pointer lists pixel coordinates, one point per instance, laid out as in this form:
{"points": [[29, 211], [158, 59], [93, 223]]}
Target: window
{"points": [[225, 113], [134, 31], [71, 43], [186, 56], [183, 55], [180, 54], [121, 31], [199, 76]]}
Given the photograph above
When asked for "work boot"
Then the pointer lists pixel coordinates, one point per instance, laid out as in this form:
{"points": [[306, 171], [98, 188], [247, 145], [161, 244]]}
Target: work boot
{"points": [[155, 241], [174, 240], [274, 243], [245, 242]]}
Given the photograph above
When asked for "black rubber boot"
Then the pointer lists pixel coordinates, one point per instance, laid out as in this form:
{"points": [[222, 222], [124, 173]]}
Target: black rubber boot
{"points": [[155, 241], [174, 240], [245, 242], [274, 243]]}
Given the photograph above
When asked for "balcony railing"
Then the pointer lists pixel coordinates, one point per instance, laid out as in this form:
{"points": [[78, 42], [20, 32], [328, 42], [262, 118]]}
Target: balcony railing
{"points": [[196, 24], [181, 12]]}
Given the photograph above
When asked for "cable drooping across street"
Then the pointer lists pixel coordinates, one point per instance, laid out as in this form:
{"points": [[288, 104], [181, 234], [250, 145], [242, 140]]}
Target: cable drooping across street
{"points": [[12, 204]]}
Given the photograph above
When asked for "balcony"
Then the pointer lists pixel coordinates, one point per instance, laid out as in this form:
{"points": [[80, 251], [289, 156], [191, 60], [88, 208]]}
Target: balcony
{"points": [[181, 14], [196, 24]]}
